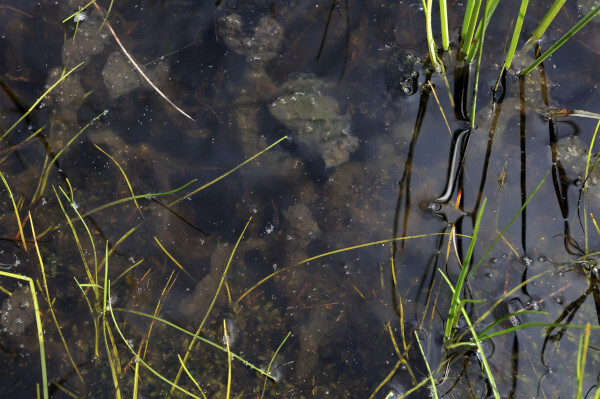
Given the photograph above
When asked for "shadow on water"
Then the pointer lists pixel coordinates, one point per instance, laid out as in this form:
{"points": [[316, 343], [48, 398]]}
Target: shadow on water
{"points": [[335, 286]]}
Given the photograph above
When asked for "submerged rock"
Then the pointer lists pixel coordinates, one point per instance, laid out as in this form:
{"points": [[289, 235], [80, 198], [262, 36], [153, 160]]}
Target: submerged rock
{"points": [[68, 96], [300, 224], [572, 153], [305, 109], [87, 41], [120, 77], [259, 47], [17, 311]]}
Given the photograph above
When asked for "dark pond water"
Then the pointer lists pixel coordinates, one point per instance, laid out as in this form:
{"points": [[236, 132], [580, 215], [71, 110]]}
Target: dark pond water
{"points": [[365, 152]]}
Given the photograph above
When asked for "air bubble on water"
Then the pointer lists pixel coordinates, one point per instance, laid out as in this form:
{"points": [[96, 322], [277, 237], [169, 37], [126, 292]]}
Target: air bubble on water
{"points": [[527, 261], [80, 16], [434, 206], [558, 299], [542, 258], [269, 229], [534, 304], [494, 260]]}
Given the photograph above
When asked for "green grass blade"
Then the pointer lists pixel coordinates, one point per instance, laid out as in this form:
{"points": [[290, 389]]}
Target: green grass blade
{"points": [[77, 241], [140, 360], [597, 394], [444, 25], [430, 41], [562, 40], [130, 268], [455, 301], [508, 316], [429, 374], [199, 338], [477, 340], [42, 269], [40, 329], [135, 197], [117, 202], [589, 155], [89, 233], [490, 7], [509, 224], [46, 172], [482, 356], [543, 25], [124, 176], [174, 260], [39, 100], [468, 26], [187, 372], [210, 183], [272, 360], [337, 251], [106, 306], [210, 307], [534, 324], [516, 34], [76, 12], [12, 199], [509, 294], [387, 378], [584, 341], [92, 312]]}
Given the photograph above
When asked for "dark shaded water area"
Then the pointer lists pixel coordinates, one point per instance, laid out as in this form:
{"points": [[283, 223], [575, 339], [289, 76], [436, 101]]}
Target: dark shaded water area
{"points": [[366, 153]]}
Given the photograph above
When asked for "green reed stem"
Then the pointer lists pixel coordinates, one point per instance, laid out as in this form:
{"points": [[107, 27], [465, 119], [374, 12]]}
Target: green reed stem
{"points": [[516, 34], [455, 303], [476, 340], [469, 23], [429, 374], [38, 322], [541, 28], [509, 224], [39, 100], [562, 40], [210, 307], [584, 341], [444, 25], [490, 7], [430, 40]]}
